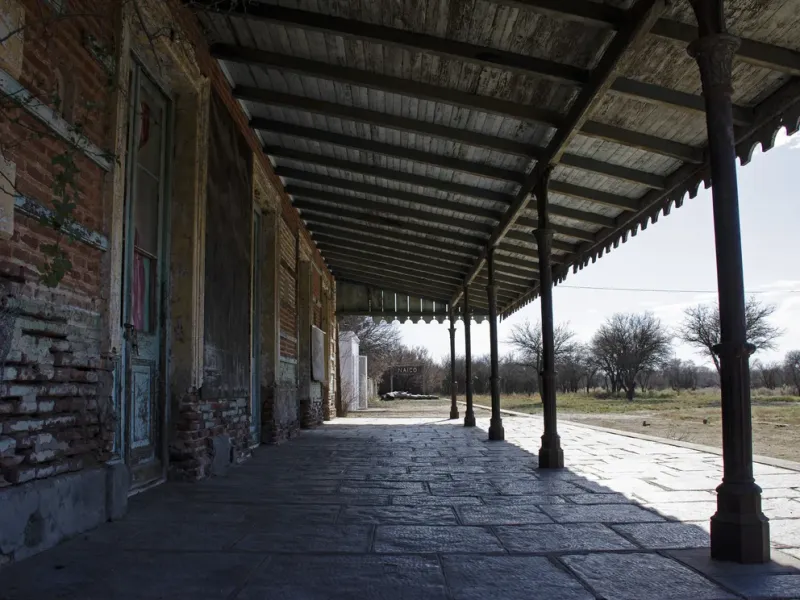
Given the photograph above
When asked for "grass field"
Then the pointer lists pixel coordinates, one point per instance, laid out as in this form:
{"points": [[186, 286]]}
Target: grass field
{"points": [[687, 416]]}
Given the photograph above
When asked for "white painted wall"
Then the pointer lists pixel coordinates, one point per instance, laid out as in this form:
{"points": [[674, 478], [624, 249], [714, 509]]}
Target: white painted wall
{"points": [[348, 354]]}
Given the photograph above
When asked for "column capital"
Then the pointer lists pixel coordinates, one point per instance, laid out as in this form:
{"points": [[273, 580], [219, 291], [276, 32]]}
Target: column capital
{"points": [[714, 54]]}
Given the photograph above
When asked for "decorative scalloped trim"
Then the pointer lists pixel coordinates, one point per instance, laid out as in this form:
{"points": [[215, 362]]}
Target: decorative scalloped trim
{"points": [[789, 120]]}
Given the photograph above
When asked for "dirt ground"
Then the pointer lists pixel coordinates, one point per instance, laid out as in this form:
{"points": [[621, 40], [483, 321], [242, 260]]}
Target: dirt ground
{"points": [[776, 440], [691, 417]]}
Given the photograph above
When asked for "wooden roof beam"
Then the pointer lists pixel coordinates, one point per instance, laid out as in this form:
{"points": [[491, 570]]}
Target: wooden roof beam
{"points": [[388, 237], [447, 162], [584, 163], [768, 56], [385, 83], [517, 63], [378, 190], [639, 20], [314, 212], [528, 238], [591, 128], [401, 210], [580, 234], [372, 246], [566, 189], [416, 42], [393, 261], [507, 247], [379, 269], [364, 145], [596, 196], [351, 113], [531, 263], [430, 283], [387, 261], [558, 187], [382, 172], [323, 202], [581, 215], [776, 58]]}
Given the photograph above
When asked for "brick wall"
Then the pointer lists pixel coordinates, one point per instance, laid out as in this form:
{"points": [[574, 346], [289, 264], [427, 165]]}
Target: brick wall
{"points": [[54, 388], [56, 383]]}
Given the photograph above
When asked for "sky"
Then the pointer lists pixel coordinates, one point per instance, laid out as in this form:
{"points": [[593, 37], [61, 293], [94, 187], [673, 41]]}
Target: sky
{"points": [[677, 253]]}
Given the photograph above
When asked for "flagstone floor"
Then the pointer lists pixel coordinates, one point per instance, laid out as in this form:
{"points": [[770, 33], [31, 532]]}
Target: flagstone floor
{"points": [[422, 508]]}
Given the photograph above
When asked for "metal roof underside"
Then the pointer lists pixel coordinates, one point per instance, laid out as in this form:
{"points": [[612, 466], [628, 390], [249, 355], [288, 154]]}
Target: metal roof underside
{"points": [[409, 134]]}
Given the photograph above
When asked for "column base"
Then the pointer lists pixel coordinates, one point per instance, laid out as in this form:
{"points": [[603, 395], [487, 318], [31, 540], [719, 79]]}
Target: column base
{"points": [[496, 431], [469, 419], [550, 454], [739, 530], [454, 413]]}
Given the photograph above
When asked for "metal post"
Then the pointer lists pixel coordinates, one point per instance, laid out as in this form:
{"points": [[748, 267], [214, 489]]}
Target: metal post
{"points": [[550, 454], [469, 417], [496, 432], [391, 379], [739, 530], [453, 384]]}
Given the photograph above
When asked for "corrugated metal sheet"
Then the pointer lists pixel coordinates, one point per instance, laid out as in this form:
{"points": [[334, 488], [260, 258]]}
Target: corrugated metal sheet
{"points": [[396, 134]]}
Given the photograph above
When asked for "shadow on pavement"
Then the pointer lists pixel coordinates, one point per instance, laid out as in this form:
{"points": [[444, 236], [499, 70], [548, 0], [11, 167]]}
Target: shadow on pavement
{"points": [[405, 509]]}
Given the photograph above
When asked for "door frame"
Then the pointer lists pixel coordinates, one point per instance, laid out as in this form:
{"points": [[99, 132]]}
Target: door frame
{"points": [[161, 406]]}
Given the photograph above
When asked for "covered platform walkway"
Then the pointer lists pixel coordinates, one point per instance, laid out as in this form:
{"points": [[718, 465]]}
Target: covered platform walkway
{"points": [[422, 507]]}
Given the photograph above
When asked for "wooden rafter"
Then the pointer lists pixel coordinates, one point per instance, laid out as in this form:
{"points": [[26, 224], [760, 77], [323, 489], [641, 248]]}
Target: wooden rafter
{"points": [[488, 57], [447, 162], [373, 246], [640, 19], [320, 213], [387, 236]]}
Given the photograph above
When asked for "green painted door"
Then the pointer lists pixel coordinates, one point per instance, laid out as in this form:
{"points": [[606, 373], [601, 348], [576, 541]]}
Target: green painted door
{"points": [[144, 272]]}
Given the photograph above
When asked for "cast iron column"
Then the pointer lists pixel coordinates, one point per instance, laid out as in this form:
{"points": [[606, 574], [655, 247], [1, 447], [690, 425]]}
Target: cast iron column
{"points": [[739, 530], [496, 432], [550, 454], [469, 416], [453, 382]]}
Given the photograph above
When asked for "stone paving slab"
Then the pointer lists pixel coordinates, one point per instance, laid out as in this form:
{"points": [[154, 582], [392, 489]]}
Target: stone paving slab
{"points": [[379, 577], [637, 576], [410, 508], [512, 578], [409, 539]]}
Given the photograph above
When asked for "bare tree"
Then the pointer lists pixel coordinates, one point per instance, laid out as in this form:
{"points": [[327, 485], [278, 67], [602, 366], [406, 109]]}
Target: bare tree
{"points": [[700, 327], [377, 341], [627, 345], [526, 339], [791, 369], [681, 374], [769, 374]]}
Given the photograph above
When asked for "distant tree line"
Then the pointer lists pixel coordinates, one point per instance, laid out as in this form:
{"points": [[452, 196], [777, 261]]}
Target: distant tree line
{"points": [[629, 353]]}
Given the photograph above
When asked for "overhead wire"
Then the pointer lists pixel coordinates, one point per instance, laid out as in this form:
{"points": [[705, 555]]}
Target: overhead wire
{"points": [[668, 291]]}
